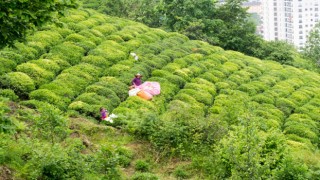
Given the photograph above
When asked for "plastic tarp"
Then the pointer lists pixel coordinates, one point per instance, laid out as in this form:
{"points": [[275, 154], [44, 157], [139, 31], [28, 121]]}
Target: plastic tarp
{"points": [[144, 95], [152, 88]]}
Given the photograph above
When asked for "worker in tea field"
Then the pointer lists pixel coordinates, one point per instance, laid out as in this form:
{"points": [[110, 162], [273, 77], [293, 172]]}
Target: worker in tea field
{"points": [[103, 113], [136, 81]]}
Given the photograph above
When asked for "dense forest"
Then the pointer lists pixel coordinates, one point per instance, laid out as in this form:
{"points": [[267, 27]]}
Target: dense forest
{"points": [[221, 114]]}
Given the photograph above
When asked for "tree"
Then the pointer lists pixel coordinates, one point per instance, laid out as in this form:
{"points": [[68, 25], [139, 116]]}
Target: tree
{"points": [[51, 124], [18, 17], [279, 51], [312, 48]]}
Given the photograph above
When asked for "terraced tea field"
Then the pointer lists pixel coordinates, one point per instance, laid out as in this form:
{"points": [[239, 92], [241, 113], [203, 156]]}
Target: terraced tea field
{"points": [[213, 101]]}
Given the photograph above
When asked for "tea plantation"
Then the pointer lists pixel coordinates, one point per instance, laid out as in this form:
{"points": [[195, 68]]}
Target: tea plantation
{"points": [[220, 114]]}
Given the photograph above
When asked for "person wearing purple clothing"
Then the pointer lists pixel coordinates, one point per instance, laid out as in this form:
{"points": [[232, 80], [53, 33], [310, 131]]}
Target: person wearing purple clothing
{"points": [[136, 81], [103, 113]]}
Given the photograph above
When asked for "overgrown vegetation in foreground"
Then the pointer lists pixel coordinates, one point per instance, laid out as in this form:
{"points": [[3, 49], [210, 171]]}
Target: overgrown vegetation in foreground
{"points": [[220, 114]]}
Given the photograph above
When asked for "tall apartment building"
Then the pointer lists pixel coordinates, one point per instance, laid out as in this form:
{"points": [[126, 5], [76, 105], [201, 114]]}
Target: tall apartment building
{"points": [[289, 20]]}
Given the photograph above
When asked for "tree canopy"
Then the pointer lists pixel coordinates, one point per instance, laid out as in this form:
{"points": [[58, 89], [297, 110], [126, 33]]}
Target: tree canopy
{"points": [[18, 17], [312, 48]]}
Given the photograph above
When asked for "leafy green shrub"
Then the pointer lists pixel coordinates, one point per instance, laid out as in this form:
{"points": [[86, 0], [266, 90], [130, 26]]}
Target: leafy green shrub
{"points": [[115, 38], [6, 65], [47, 64], [263, 98], [144, 176], [105, 29], [59, 89], [40, 76], [125, 156], [27, 52], [115, 85], [92, 35], [111, 50], [285, 105], [38, 46], [201, 87], [98, 61], [46, 96], [21, 83], [48, 38], [67, 51], [269, 79], [142, 165], [8, 93], [12, 55], [181, 173], [201, 96]]}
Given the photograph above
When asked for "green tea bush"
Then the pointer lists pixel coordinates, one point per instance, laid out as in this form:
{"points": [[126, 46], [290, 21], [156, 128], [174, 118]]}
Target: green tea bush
{"points": [[105, 29], [97, 61], [253, 87], [92, 35], [269, 79], [83, 70], [115, 38], [229, 67], [218, 73], [48, 38], [81, 41], [73, 82], [8, 93], [201, 87], [254, 72], [76, 27], [27, 52], [201, 96], [64, 32], [6, 65], [302, 131], [171, 67], [184, 73], [299, 97], [132, 44], [111, 50], [11, 55], [302, 119], [67, 51], [263, 98], [48, 96], [115, 85], [142, 166], [84, 108], [240, 77], [38, 46], [218, 58], [197, 69], [39, 75], [210, 77], [282, 90], [187, 98], [117, 70], [285, 105], [20, 82], [89, 23], [60, 89]]}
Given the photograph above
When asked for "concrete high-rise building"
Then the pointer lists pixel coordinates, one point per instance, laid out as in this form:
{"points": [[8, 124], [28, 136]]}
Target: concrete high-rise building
{"points": [[289, 20]]}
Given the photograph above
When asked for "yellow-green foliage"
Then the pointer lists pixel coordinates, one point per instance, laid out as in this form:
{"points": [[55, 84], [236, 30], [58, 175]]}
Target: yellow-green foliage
{"points": [[206, 94], [39, 75], [6, 65], [67, 51], [20, 82]]}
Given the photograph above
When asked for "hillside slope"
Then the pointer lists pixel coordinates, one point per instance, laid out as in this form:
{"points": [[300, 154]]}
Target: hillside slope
{"points": [[228, 114]]}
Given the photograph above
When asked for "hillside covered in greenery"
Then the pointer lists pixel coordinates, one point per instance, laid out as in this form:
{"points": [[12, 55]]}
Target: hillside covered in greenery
{"points": [[221, 114]]}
